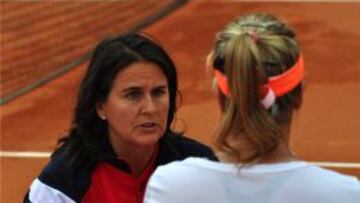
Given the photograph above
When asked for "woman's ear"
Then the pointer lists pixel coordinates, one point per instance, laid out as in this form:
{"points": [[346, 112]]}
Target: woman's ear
{"points": [[299, 101], [209, 61], [219, 95], [100, 110]]}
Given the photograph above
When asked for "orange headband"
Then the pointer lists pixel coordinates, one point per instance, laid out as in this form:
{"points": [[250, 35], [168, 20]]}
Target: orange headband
{"points": [[278, 85]]}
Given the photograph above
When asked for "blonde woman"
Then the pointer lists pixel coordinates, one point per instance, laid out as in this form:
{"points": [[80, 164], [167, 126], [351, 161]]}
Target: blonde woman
{"points": [[258, 69]]}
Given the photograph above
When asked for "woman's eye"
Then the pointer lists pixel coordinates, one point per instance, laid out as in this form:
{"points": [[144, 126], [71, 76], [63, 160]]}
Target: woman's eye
{"points": [[133, 95], [159, 92]]}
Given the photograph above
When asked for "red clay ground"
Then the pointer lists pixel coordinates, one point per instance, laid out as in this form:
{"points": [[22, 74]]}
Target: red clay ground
{"points": [[59, 32], [326, 129]]}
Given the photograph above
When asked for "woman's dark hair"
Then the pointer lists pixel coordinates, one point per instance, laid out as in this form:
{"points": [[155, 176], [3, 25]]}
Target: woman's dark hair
{"points": [[87, 140]]}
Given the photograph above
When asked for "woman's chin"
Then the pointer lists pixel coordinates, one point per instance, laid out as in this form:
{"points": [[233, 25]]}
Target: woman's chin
{"points": [[148, 140]]}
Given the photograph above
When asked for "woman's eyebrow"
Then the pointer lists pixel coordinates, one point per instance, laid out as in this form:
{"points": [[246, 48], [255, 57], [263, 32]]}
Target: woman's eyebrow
{"points": [[161, 87], [131, 88]]}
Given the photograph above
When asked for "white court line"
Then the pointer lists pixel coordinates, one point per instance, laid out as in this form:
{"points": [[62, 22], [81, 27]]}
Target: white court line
{"points": [[24, 154], [336, 164], [302, 1], [30, 154]]}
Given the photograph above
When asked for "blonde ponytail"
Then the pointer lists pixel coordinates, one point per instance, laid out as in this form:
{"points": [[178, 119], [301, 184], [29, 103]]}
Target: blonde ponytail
{"points": [[244, 46]]}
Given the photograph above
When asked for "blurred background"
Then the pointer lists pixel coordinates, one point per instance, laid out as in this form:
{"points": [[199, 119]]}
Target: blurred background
{"points": [[45, 47]]}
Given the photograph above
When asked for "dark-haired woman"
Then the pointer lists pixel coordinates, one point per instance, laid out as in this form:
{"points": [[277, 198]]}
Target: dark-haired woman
{"points": [[121, 127]]}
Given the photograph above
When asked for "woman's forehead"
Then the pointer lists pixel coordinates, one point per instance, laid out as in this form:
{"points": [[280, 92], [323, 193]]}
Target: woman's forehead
{"points": [[141, 73]]}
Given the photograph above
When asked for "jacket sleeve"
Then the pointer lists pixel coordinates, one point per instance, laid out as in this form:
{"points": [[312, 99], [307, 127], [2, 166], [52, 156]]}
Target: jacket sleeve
{"points": [[41, 192], [58, 184]]}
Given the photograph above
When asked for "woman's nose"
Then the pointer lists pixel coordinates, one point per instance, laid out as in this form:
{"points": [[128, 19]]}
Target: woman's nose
{"points": [[149, 105]]}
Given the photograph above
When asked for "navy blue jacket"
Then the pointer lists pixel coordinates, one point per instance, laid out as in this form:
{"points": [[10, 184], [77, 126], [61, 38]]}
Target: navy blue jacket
{"points": [[73, 184]]}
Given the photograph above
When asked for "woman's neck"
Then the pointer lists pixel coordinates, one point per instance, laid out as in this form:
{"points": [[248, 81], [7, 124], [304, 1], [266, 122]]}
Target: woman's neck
{"points": [[282, 153], [279, 155], [137, 157]]}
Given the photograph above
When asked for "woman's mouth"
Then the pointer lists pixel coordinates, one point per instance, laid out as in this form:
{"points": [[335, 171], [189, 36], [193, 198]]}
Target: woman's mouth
{"points": [[149, 127]]}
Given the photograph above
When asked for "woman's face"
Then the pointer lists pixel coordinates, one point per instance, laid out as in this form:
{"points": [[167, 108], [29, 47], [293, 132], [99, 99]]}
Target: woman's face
{"points": [[137, 107]]}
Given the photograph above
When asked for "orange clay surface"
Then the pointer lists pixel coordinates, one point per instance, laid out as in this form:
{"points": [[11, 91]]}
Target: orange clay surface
{"points": [[325, 129]]}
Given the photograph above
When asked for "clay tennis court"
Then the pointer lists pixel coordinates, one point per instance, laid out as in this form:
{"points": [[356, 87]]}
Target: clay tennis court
{"points": [[326, 130]]}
